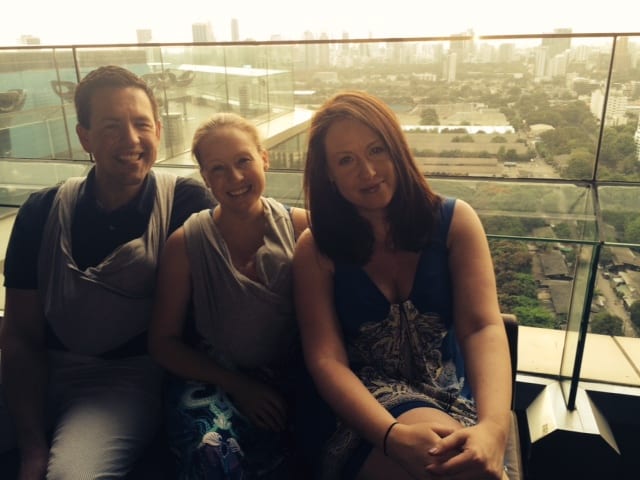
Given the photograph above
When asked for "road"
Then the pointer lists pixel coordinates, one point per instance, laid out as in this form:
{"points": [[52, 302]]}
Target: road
{"points": [[614, 305]]}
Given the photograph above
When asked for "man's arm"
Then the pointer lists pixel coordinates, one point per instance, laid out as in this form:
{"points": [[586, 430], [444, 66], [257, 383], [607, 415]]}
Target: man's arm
{"points": [[22, 336], [24, 377]]}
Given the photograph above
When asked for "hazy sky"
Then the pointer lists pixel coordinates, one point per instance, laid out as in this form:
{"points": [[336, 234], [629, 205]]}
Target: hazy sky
{"points": [[115, 21]]}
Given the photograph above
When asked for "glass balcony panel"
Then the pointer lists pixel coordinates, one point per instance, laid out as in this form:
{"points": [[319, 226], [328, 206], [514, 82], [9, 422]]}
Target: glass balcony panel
{"points": [[509, 124], [558, 212], [619, 156], [36, 104]]}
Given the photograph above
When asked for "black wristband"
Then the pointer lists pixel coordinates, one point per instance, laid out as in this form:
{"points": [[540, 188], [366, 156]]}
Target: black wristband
{"points": [[386, 435]]}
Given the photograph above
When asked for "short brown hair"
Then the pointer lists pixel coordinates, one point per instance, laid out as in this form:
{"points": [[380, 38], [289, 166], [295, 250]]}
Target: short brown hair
{"points": [[108, 76]]}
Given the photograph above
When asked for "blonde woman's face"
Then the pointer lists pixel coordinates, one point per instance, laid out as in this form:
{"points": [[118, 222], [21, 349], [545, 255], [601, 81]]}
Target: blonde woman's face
{"points": [[233, 168]]}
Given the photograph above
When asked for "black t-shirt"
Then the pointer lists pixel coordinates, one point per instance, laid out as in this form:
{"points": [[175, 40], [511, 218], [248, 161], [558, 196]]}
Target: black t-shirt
{"points": [[94, 235], [94, 232]]}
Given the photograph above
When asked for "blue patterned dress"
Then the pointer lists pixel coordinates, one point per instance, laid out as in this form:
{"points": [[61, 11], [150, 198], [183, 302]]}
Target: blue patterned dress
{"points": [[404, 353]]}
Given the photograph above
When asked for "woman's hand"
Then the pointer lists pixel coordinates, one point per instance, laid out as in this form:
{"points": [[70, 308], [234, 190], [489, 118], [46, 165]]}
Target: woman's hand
{"points": [[409, 445], [263, 406], [472, 453]]}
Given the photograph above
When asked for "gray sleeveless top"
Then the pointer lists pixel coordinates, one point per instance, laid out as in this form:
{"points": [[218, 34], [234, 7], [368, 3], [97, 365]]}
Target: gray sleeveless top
{"points": [[98, 309], [243, 323]]}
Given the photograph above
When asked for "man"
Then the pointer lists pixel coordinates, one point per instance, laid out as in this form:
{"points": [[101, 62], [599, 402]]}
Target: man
{"points": [[80, 276]]}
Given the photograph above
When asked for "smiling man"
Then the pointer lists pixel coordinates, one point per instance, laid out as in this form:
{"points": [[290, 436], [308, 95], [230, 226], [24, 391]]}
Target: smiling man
{"points": [[83, 395]]}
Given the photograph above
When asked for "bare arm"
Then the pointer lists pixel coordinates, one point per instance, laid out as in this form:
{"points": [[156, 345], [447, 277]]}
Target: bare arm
{"points": [[481, 334], [323, 347], [479, 325], [166, 344], [25, 375]]}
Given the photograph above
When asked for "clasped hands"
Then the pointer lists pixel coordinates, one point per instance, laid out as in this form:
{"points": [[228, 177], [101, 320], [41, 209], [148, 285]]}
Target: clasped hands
{"points": [[432, 451]]}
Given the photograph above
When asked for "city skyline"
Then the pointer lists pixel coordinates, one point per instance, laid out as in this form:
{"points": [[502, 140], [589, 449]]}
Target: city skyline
{"points": [[287, 20]]}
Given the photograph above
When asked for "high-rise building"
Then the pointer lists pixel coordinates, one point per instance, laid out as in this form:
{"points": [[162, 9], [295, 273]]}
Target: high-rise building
{"points": [[507, 52], [324, 53], [558, 66], [559, 45], [450, 65], [202, 32], [29, 40], [235, 30], [637, 140], [622, 57], [464, 49], [540, 68], [143, 35]]}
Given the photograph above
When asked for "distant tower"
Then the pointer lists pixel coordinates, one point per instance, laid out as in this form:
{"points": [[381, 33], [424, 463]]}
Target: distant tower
{"points": [[235, 30], [622, 57], [637, 140], [557, 45], [542, 54], [202, 32], [345, 46], [143, 35], [310, 51], [324, 56], [29, 40], [450, 65], [507, 52], [464, 49]]}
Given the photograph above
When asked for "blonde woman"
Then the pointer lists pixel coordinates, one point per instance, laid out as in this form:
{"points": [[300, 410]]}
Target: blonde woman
{"points": [[228, 400]]}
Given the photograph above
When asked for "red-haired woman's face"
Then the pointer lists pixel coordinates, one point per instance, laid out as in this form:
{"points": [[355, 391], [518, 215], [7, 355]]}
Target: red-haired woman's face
{"points": [[360, 165]]}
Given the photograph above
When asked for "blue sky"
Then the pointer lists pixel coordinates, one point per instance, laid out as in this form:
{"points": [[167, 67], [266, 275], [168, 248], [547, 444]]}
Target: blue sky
{"points": [[116, 21]]}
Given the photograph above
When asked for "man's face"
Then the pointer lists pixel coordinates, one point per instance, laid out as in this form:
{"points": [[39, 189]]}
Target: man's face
{"points": [[123, 136]]}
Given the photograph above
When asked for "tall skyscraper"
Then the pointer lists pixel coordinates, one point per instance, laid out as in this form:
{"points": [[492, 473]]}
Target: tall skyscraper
{"points": [[622, 57], [464, 49], [29, 40], [235, 30], [542, 57], [202, 32], [637, 141], [557, 45], [449, 67], [143, 35]]}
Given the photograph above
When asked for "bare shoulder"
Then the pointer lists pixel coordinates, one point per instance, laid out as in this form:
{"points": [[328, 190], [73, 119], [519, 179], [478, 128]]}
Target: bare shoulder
{"points": [[306, 244], [175, 248], [300, 220], [307, 255], [466, 227], [463, 209], [465, 218], [177, 238]]}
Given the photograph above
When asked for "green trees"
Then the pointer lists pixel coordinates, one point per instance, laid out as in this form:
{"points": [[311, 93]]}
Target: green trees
{"points": [[632, 230], [634, 312], [606, 324], [429, 116]]}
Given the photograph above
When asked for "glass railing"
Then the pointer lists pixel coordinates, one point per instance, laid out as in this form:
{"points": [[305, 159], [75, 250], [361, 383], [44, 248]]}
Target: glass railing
{"points": [[539, 133]]}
